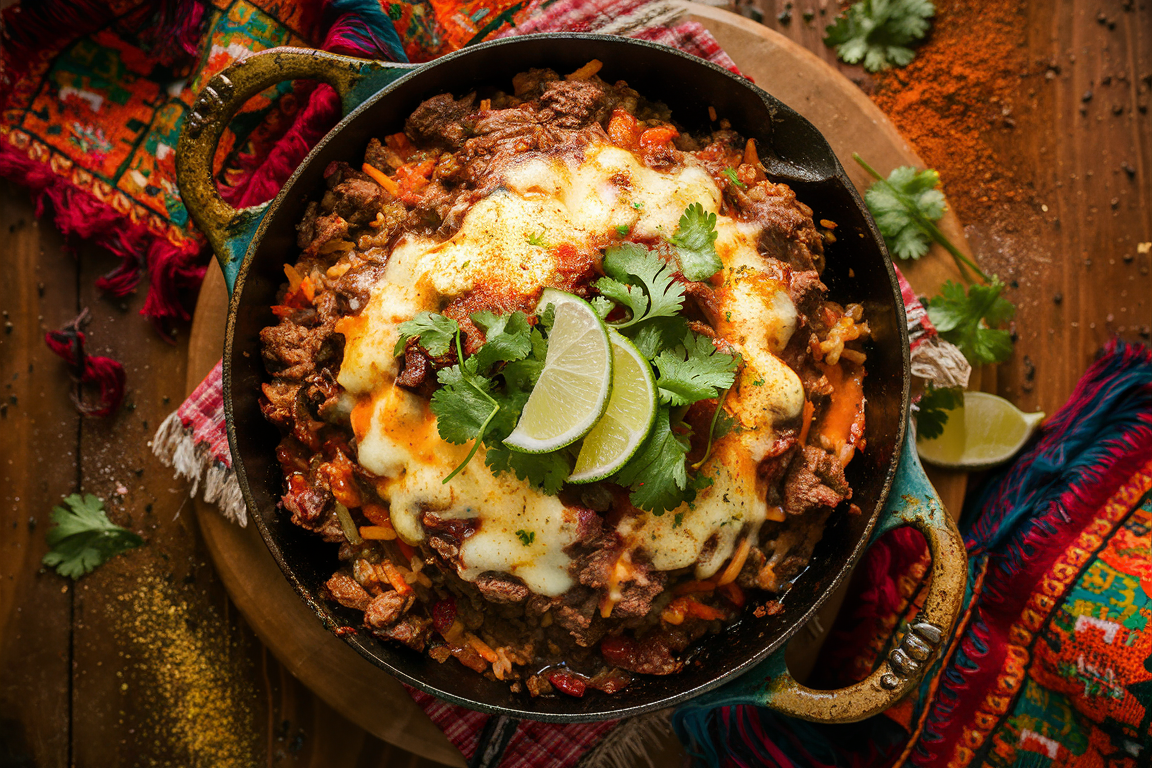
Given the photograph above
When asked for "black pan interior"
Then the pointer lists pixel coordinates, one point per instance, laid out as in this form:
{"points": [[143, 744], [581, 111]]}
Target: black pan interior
{"points": [[858, 270]]}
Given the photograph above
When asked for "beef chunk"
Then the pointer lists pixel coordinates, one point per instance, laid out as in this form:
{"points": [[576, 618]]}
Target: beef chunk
{"points": [[815, 479], [575, 103], [347, 591], [636, 595], [530, 84], [788, 232], [806, 291], [293, 351], [386, 609], [412, 631], [578, 612], [279, 403], [440, 121], [356, 199], [538, 685], [307, 504], [327, 229], [501, 588], [650, 655], [306, 229]]}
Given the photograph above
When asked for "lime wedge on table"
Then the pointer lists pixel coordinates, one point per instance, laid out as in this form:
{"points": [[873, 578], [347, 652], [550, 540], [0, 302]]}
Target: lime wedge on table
{"points": [[627, 419], [987, 430], [573, 388]]}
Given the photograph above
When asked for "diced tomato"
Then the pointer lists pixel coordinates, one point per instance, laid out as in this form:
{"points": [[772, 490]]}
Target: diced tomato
{"points": [[618, 650], [443, 614], [657, 136], [568, 682], [623, 129]]}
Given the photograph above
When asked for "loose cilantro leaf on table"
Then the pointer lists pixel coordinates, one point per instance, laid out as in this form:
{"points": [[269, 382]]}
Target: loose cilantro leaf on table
{"points": [[899, 203], [694, 370], [84, 537], [695, 240], [932, 410], [877, 33], [436, 333], [903, 203], [967, 319]]}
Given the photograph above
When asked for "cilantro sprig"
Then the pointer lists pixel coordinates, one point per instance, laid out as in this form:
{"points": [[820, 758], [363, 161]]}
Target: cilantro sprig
{"points": [[481, 397], [906, 206], [83, 537], [968, 320], [877, 33]]}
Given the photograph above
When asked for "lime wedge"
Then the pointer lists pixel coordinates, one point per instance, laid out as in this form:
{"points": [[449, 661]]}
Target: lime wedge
{"points": [[573, 388], [987, 430], [626, 421]]}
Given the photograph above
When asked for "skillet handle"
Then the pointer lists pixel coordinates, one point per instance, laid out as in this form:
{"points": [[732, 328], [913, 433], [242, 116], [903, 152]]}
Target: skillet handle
{"points": [[912, 501], [230, 231]]}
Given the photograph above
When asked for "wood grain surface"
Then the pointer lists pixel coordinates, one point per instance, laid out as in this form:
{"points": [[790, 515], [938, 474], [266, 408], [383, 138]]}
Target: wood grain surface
{"points": [[148, 662]]}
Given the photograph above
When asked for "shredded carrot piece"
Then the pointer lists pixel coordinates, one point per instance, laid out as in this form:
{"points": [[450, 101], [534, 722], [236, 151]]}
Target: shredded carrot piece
{"points": [[809, 409], [377, 532], [750, 156], [485, 104], [586, 71], [733, 592], [482, 648], [406, 550], [294, 277], [733, 570], [712, 113], [395, 578], [377, 514], [381, 178]]}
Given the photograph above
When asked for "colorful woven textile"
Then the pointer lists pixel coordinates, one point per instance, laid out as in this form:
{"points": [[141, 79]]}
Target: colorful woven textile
{"points": [[1051, 661], [92, 97]]}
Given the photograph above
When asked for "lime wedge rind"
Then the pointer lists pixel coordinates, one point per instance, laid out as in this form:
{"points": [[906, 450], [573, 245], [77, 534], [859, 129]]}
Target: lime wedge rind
{"points": [[574, 387], [985, 432], [626, 421]]}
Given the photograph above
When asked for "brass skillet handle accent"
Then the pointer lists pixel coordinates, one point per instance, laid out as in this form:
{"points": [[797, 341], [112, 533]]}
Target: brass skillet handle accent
{"points": [[230, 231], [912, 501]]}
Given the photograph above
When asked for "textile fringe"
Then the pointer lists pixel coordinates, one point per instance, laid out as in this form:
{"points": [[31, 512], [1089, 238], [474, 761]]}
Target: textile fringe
{"points": [[631, 742], [172, 268], [175, 446], [651, 15]]}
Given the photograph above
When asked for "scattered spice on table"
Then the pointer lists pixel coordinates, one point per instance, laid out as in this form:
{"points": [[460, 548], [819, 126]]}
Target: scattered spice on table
{"points": [[186, 688], [963, 78]]}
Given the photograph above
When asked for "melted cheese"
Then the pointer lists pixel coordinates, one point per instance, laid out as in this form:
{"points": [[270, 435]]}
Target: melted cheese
{"points": [[578, 199]]}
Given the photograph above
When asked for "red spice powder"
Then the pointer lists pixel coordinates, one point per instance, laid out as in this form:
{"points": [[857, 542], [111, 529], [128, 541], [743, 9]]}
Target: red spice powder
{"points": [[956, 96]]}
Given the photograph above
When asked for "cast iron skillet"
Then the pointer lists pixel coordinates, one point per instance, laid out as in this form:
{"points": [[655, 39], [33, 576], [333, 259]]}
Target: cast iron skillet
{"points": [[254, 244]]}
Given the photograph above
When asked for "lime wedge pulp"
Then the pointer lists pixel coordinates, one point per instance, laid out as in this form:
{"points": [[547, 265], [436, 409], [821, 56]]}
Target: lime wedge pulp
{"points": [[572, 391], [627, 419], [987, 430]]}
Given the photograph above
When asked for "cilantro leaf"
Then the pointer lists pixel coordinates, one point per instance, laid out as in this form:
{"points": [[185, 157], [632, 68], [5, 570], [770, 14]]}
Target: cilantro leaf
{"points": [[657, 473], [463, 405], [526, 537], [508, 338], [695, 240], [965, 319], [732, 177], [628, 264], [693, 371], [658, 333], [545, 471], [602, 305], [436, 333], [918, 217], [932, 410], [900, 203], [83, 537], [878, 32]]}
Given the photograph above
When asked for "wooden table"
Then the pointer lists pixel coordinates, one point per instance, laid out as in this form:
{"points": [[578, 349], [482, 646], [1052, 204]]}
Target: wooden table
{"points": [[146, 662]]}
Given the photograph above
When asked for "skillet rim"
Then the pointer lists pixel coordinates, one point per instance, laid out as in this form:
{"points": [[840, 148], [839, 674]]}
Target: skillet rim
{"points": [[355, 640]]}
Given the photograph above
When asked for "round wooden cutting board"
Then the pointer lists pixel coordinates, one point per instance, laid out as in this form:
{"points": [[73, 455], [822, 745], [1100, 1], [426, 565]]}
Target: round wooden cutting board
{"points": [[353, 686]]}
